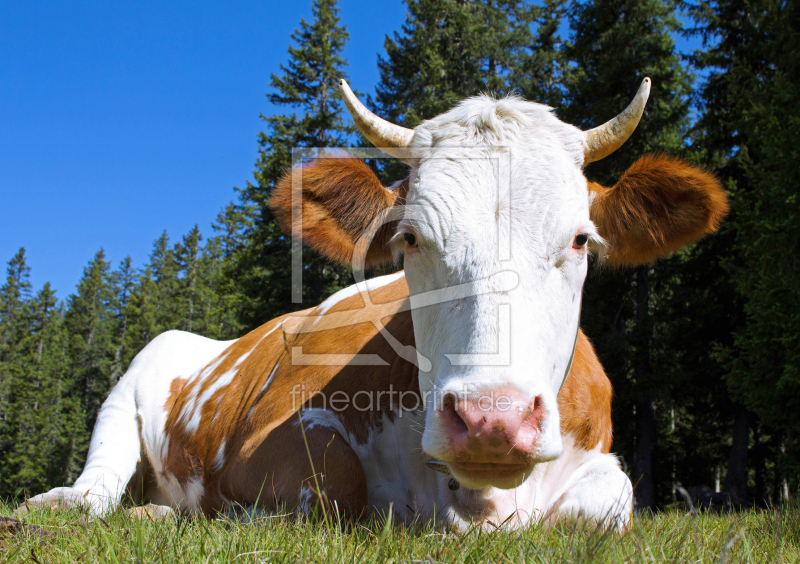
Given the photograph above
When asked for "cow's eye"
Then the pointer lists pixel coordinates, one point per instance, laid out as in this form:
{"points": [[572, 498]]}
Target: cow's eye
{"points": [[580, 240], [410, 238]]}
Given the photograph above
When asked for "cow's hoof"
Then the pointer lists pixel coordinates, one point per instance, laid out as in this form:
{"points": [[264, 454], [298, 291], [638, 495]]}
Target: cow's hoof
{"points": [[151, 512], [57, 498]]}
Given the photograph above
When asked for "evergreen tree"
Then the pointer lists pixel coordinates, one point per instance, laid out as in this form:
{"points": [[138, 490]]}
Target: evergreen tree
{"points": [[219, 262], [187, 257], [141, 315], [36, 429], [217, 306], [164, 270], [751, 137], [91, 324], [613, 45], [449, 50], [540, 73], [309, 85], [14, 297], [124, 283], [153, 305]]}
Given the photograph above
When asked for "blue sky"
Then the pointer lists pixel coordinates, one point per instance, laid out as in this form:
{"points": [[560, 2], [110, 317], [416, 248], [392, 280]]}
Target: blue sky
{"points": [[121, 120]]}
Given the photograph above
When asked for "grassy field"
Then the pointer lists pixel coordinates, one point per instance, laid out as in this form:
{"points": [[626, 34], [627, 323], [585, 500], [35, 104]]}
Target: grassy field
{"points": [[63, 536]]}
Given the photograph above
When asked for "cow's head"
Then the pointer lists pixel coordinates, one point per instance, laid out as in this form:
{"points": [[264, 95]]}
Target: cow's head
{"points": [[495, 223]]}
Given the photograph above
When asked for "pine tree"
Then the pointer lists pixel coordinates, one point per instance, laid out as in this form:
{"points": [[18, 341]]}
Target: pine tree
{"points": [[187, 257], [217, 295], [539, 75], [91, 324], [751, 137], [14, 296], [164, 270], [154, 305], [309, 85], [219, 263], [449, 50], [613, 45], [142, 316], [14, 293], [124, 283], [36, 422]]}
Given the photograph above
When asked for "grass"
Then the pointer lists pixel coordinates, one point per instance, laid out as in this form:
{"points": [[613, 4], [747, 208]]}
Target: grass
{"points": [[671, 536]]}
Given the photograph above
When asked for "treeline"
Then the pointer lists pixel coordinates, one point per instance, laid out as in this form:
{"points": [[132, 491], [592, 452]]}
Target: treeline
{"points": [[60, 359], [702, 348]]}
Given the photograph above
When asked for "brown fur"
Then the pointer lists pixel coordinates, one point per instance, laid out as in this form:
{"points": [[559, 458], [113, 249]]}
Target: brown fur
{"points": [[585, 400], [660, 205], [341, 197], [266, 460]]}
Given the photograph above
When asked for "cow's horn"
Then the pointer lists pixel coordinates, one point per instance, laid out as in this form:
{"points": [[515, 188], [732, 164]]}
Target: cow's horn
{"points": [[384, 135], [607, 138]]}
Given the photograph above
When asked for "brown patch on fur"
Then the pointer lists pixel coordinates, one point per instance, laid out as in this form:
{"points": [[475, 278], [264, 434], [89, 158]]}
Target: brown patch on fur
{"points": [[143, 486], [323, 459], [660, 205], [265, 458], [585, 399], [341, 197], [175, 388]]}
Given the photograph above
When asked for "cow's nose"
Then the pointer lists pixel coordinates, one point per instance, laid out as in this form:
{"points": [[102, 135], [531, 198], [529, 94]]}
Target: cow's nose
{"points": [[492, 426]]}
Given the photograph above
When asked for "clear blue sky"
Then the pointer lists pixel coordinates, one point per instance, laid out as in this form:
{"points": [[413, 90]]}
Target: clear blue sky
{"points": [[121, 120]]}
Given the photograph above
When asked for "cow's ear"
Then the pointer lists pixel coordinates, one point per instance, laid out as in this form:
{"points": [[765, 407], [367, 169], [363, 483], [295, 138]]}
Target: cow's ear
{"points": [[341, 198], [658, 206]]}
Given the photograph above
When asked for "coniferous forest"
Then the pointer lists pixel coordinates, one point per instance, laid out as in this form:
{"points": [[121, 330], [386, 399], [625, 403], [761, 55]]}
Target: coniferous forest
{"points": [[703, 348]]}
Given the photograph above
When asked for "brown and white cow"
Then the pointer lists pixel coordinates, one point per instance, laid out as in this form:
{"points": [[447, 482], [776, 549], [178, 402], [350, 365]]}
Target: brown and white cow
{"points": [[458, 363]]}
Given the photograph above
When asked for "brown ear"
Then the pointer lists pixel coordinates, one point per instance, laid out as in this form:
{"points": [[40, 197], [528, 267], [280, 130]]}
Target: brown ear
{"points": [[341, 197], [658, 206]]}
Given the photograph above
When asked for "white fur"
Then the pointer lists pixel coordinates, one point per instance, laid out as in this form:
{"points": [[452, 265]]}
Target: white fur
{"points": [[360, 288], [194, 493], [498, 187], [316, 417], [585, 484], [219, 459], [222, 381], [304, 500]]}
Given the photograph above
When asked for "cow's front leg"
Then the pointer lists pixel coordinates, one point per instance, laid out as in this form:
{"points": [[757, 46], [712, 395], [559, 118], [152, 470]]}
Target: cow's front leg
{"points": [[599, 492], [113, 458], [292, 470]]}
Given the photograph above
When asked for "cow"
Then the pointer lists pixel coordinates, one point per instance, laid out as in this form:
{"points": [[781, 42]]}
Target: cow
{"points": [[459, 389]]}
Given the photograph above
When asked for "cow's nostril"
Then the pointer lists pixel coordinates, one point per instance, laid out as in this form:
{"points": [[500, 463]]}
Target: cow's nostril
{"points": [[538, 406], [536, 413], [450, 416]]}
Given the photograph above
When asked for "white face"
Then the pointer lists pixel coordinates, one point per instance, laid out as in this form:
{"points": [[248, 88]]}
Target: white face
{"points": [[498, 202]]}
